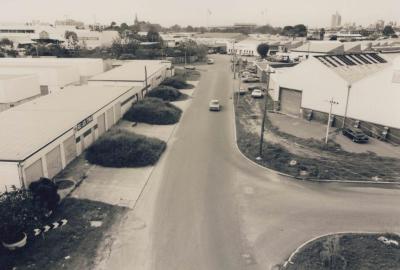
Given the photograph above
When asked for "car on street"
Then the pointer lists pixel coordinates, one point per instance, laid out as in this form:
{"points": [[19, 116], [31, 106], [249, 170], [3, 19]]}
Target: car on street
{"points": [[257, 93], [356, 135], [210, 61], [251, 80], [190, 67], [214, 105]]}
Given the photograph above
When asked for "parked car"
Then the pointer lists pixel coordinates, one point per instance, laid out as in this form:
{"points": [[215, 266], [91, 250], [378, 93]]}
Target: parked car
{"points": [[214, 105], [242, 91], [190, 67], [210, 61], [251, 80], [257, 93], [356, 135], [253, 86]]}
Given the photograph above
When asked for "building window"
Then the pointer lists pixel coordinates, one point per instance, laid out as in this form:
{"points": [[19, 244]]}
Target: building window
{"points": [[87, 133], [95, 126], [77, 140]]}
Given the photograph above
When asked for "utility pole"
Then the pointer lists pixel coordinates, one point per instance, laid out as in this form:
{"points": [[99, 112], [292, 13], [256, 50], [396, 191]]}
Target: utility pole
{"points": [[332, 102], [145, 77], [268, 72], [347, 105], [238, 90]]}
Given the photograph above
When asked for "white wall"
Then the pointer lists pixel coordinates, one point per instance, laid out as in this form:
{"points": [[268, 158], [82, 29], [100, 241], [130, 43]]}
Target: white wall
{"points": [[18, 88], [9, 175]]}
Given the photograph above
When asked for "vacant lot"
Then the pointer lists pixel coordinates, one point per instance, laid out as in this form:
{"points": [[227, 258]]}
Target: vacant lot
{"points": [[73, 246], [306, 158], [348, 252]]}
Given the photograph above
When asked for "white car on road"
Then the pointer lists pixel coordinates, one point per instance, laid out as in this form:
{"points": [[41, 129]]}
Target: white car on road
{"points": [[257, 93], [210, 61], [214, 105]]}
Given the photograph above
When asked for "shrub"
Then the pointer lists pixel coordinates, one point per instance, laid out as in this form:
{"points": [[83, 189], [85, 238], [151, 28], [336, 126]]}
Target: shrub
{"points": [[165, 92], [153, 111], [177, 82], [45, 191], [125, 149], [19, 212]]}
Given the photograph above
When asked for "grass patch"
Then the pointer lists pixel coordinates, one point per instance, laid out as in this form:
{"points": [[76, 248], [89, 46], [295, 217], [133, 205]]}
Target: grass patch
{"points": [[166, 93], [76, 239], [153, 111], [331, 163], [120, 148], [348, 251]]}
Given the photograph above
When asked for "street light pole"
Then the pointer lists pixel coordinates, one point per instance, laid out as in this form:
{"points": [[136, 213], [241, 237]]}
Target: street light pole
{"points": [[332, 102], [268, 71], [347, 105]]}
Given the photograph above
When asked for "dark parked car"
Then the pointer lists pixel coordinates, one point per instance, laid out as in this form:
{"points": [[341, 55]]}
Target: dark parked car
{"points": [[356, 135]]}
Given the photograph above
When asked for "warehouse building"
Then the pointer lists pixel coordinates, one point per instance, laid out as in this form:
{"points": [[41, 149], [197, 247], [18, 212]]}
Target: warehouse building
{"points": [[144, 73], [39, 138], [17, 89], [85, 67], [52, 78], [366, 87]]}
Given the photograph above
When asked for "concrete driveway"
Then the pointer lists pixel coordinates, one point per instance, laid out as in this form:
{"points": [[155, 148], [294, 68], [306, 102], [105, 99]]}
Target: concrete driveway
{"points": [[208, 208]]}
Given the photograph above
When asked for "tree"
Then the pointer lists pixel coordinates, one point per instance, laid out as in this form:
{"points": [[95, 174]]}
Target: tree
{"points": [[153, 35], [72, 39], [388, 30], [6, 42], [263, 49], [300, 30], [175, 28]]}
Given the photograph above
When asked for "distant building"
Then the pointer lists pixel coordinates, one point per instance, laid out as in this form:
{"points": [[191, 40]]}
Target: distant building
{"points": [[70, 22], [336, 20]]}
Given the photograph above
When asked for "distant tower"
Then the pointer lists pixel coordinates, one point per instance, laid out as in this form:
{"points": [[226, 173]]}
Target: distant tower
{"points": [[136, 19], [336, 20]]}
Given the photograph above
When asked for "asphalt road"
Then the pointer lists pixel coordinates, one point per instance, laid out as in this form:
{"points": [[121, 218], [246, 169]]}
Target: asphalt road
{"points": [[215, 210]]}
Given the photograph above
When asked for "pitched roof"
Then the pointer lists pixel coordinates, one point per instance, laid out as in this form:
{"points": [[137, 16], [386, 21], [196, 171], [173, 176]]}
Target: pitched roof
{"points": [[353, 67], [320, 47]]}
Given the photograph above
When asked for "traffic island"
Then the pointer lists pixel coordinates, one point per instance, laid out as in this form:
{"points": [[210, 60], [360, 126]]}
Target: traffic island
{"points": [[348, 251], [305, 158]]}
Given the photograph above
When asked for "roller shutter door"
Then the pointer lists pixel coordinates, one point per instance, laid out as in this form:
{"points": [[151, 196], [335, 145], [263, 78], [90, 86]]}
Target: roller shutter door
{"points": [[290, 101], [101, 124], [54, 164], [110, 118], [87, 138], [117, 111], [33, 172], [70, 149]]}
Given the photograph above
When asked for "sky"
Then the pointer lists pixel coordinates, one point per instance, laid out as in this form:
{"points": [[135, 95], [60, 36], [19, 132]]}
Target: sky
{"points": [[313, 13]]}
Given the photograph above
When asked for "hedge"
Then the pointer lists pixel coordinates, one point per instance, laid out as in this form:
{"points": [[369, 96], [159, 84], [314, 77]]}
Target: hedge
{"points": [[177, 82], [120, 148], [165, 92], [153, 111]]}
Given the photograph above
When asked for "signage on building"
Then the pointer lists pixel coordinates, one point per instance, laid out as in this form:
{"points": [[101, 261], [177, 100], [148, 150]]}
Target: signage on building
{"points": [[84, 123]]}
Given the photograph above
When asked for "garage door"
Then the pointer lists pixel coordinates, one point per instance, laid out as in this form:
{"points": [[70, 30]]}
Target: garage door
{"points": [[87, 138], [117, 111], [33, 172], [70, 149], [290, 101], [54, 164], [101, 124], [110, 118]]}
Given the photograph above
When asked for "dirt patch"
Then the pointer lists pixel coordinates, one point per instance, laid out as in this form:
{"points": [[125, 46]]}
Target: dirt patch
{"points": [[349, 252], [306, 158], [73, 246]]}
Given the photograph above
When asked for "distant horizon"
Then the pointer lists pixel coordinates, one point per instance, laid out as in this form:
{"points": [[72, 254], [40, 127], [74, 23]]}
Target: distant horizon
{"points": [[207, 13]]}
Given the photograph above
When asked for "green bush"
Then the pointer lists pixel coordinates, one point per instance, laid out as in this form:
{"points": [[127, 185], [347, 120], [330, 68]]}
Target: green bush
{"points": [[165, 92], [177, 82], [120, 148], [153, 111]]}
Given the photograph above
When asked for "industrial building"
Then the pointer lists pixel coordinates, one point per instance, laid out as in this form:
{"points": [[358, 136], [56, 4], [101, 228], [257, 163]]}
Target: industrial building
{"points": [[85, 67], [366, 87], [17, 89], [144, 73], [40, 137], [52, 78]]}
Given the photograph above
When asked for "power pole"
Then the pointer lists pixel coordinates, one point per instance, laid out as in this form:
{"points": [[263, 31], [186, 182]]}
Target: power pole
{"points": [[238, 90], [347, 105], [332, 102], [268, 72], [145, 77]]}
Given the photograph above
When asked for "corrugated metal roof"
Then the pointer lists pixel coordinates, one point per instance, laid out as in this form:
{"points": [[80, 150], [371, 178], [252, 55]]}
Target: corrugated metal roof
{"points": [[29, 127], [131, 71]]}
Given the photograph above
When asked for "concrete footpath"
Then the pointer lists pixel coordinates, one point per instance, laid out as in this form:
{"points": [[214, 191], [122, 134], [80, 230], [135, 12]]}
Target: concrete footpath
{"points": [[123, 186]]}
